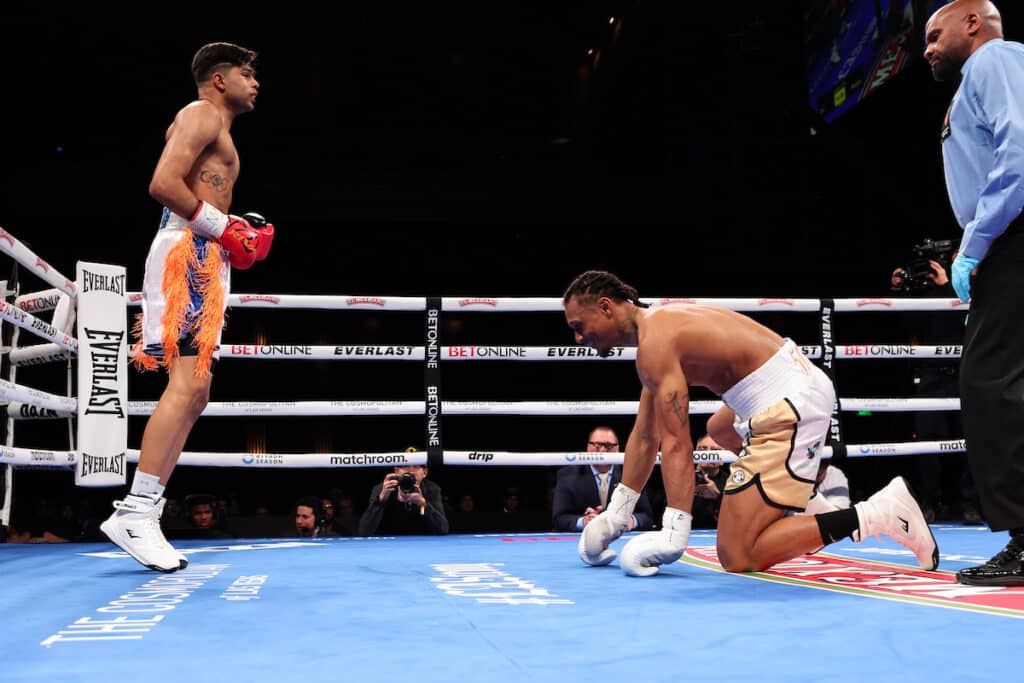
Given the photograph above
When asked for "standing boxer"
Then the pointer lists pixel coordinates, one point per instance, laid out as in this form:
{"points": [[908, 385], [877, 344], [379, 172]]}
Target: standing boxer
{"points": [[186, 284]]}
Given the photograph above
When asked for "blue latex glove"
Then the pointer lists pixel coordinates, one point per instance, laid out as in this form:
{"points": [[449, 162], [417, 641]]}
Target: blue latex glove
{"points": [[962, 268]]}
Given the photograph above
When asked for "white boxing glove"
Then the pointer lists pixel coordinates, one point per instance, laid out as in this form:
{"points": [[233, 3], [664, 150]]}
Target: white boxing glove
{"points": [[607, 526], [645, 553]]}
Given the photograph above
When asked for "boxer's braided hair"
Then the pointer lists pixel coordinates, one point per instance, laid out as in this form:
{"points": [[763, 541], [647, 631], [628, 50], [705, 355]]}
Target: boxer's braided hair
{"points": [[598, 283]]}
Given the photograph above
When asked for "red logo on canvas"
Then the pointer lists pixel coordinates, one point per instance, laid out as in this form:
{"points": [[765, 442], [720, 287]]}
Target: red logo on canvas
{"points": [[880, 580]]}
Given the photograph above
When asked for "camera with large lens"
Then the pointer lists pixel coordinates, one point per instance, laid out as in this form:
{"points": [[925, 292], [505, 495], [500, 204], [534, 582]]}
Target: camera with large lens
{"points": [[918, 269], [407, 482]]}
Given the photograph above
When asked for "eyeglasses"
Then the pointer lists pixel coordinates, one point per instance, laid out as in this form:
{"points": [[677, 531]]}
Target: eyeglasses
{"points": [[328, 506], [604, 445]]}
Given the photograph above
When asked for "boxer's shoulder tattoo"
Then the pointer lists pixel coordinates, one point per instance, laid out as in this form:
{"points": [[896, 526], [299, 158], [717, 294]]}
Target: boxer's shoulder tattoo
{"points": [[675, 402], [215, 180]]}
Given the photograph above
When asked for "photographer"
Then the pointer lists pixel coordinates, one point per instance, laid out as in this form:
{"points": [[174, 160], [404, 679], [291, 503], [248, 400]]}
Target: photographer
{"points": [[711, 480], [943, 481], [404, 503], [926, 273]]}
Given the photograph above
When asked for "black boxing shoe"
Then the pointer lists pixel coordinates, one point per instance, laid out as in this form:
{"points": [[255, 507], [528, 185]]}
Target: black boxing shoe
{"points": [[1005, 569]]}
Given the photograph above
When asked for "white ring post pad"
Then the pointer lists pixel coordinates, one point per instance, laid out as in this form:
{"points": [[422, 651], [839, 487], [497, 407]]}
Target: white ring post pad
{"points": [[102, 376]]}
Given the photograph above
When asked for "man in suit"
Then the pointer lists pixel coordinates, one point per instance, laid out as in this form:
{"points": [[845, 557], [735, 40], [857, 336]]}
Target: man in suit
{"points": [[581, 492]]}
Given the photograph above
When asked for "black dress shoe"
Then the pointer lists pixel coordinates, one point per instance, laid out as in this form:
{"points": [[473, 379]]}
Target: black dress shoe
{"points": [[1005, 569]]}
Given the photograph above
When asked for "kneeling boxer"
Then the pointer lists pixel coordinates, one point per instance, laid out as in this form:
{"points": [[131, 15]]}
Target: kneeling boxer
{"points": [[776, 416]]}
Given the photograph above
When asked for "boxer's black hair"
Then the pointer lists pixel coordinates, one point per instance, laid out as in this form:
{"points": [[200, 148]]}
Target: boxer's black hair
{"points": [[316, 505], [598, 283], [212, 55]]}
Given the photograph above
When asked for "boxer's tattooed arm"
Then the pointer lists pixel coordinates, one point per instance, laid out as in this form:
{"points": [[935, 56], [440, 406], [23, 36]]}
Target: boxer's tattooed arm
{"points": [[215, 180], [673, 399]]}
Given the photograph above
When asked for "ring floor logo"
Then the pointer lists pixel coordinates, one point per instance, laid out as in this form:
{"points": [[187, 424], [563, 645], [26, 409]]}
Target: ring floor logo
{"points": [[877, 579]]}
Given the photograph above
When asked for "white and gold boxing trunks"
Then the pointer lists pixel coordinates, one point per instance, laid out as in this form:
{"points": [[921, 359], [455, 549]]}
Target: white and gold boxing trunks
{"points": [[783, 410]]}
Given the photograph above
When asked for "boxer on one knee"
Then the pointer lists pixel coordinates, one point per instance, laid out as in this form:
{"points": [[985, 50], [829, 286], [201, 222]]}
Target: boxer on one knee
{"points": [[776, 416], [186, 284]]}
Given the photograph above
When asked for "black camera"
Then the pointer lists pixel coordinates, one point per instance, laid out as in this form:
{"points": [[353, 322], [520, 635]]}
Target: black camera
{"points": [[918, 269], [702, 478], [407, 482]]}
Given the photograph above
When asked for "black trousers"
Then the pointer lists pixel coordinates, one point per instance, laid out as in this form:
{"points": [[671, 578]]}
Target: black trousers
{"points": [[992, 381]]}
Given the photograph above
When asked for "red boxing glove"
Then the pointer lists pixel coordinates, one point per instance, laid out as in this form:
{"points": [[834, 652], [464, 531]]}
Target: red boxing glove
{"points": [[266, 232], [241, 241], [247, 239]]}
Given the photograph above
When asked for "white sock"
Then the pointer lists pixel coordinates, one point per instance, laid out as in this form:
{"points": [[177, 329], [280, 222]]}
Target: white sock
{"points": [[147, 486]]}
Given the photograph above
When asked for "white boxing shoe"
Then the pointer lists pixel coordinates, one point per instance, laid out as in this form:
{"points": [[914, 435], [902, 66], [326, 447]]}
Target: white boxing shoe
{"points": [[895, 512], [159, 516], [135, 528]]}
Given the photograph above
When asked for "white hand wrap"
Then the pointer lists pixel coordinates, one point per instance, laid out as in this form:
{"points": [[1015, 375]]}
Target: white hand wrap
{"points": [[645, 553], [607, 526], [208, 221]]}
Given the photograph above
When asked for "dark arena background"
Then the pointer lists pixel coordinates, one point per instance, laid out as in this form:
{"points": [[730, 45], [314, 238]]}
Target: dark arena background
{"points": [[770, 150], [487, 149]]}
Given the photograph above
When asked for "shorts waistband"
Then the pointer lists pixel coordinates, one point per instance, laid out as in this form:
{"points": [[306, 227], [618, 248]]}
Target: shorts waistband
{"points": [[172, 221], [766, 386]]}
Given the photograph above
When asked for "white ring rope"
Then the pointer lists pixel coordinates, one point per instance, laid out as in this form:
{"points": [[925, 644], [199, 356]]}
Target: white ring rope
{"points": [[63, 407], [18, 410], [16, 392], [294, 408], [534, 408], [544, 353], [547, 304], [10, 455], [27, 321], [44, 300], [38, 354], [44, 353], [316, 301], [67, 459], [26, 257]]}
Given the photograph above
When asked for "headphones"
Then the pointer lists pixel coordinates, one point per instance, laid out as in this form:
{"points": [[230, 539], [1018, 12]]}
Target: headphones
{"points": [[317, 505]]}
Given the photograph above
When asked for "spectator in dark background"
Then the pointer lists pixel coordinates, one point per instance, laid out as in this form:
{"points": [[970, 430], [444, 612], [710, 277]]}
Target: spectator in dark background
{"points": [[711, 479], [310, 518], [345, 522], [45, 524], [202, 518], [582, 491], [466, 518]]}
